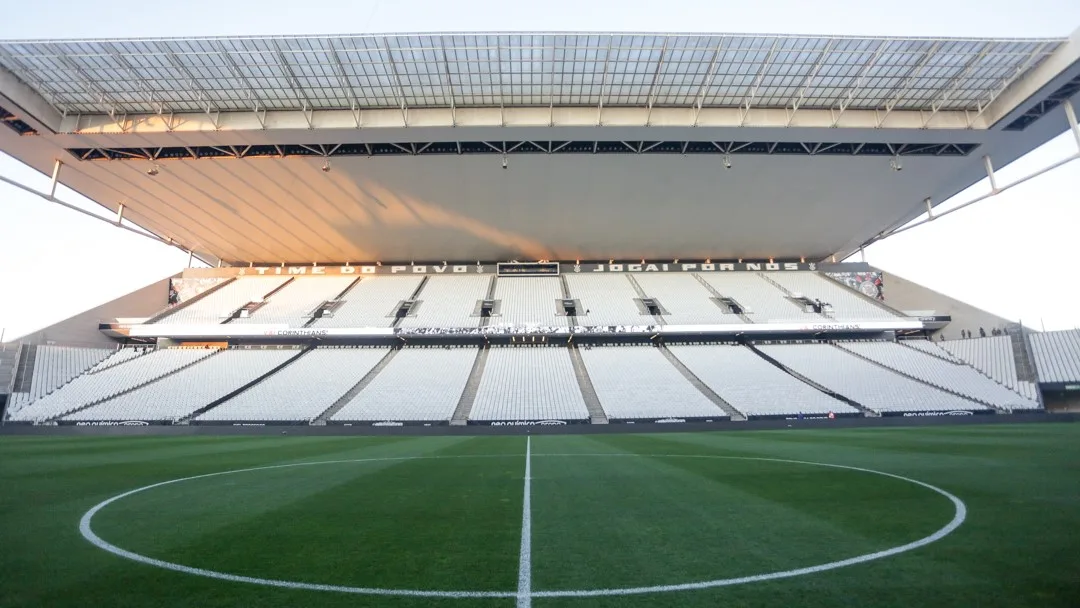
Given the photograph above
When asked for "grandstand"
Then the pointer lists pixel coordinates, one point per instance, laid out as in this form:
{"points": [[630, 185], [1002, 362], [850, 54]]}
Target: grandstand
{"points": [[595, 240]]}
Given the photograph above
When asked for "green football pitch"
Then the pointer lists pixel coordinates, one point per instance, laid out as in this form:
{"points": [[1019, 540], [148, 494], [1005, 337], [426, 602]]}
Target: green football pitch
{"points": [[942, 516]]}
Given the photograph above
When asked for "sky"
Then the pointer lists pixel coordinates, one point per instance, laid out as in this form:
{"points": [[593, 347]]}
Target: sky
{"points": [[985, 255]]}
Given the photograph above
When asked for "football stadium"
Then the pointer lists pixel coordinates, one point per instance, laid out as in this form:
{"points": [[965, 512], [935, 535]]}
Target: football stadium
{"points": [[535, 319]]}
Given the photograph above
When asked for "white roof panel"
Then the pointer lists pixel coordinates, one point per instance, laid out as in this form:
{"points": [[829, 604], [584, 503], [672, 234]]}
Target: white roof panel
{"points": [[523, 69]]}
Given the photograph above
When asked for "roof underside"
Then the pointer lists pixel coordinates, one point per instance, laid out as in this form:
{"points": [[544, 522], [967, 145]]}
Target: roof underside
{"points": [[485, 70], [363, 148]]}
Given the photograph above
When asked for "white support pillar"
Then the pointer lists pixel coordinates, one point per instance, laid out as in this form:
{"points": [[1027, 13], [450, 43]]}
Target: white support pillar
{"points": [[55, 177], [862, 255], [1070, 114], [989, 164], [120, 213], [929, 207], [190, 256]]}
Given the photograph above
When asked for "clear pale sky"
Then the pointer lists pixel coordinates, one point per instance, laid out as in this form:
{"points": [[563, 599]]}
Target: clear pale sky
{"points": [[1008, 255]]}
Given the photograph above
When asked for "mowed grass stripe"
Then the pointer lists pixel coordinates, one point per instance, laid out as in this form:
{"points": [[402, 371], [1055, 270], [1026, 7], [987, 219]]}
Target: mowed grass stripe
{"points": [[1017, 548], [414, 524], [692, 519]]}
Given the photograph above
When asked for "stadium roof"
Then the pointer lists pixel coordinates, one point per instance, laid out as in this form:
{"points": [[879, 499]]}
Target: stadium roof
{"points": [[470, 70], [612, 141]]}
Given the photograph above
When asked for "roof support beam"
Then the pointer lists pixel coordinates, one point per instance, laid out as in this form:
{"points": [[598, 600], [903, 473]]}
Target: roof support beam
{"points": [[346, 83], [989, 166], [931, 217], [946, 93], [29, 76], [57, 164], [52, 199], [208, 107], [656, 78], [796, 101], [294, 83], [449, 88], [551, 77], [1070, 115], [905, 86], [252, 95], [502, 87], [399, 91], [860, 81], [711, 74], [144, 85], [1005, 82], [603, 85], [751, 94], [114, 107]]}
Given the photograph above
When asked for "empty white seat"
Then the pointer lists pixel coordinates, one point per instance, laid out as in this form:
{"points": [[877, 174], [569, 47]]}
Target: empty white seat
{"points": [[761, 301], [528, 302], [608, 300], [638, 382], [419, 384], [449, 302], [994, 357], [55, 366], [529, 383], [869, 384], [180, 394], [214, 308], [105, 384], [847, 305], [955, 377], [372, 302], [303, 389], [751, 384], [1057, 355], [292, 305], [121, 356], [686, 300]]}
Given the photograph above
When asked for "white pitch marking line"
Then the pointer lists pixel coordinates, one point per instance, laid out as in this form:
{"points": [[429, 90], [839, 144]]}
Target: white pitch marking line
{"points": [[87, 533], [524, 591]]}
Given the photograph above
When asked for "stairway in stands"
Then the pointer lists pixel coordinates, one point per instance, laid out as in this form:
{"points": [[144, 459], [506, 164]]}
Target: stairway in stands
{"points": [[716, 294], [703, 388], [597, 415], [788, 294], [224, 398], [869, 413], [1025, 367], [24, 369], [130, 389], [9, 360], [344, 400], [468, 396], [641, 294], [997, 408]]}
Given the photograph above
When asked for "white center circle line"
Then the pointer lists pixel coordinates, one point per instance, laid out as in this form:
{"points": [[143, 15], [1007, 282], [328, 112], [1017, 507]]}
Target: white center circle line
{"points": [[87, 532]]}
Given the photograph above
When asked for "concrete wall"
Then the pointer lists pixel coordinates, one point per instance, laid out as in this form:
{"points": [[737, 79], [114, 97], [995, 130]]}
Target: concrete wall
{"points": [[904, 295], [82, 329]]}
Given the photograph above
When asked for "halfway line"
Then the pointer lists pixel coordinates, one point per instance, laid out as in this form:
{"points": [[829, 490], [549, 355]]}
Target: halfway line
{"points": [[524, 592]]}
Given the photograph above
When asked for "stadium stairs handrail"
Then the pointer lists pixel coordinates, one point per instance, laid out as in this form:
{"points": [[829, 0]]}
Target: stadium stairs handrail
{"points": [[162, 314], [997, 409], [216, 402], [794, 374]]}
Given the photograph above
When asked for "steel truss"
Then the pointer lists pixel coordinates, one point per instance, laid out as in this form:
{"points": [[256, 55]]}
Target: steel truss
{"points": [[796, 148], [14, 123], [1053, 100]]}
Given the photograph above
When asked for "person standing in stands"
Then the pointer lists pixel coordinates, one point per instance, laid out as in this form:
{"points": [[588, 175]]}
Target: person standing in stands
{"points": [[982, 333]]}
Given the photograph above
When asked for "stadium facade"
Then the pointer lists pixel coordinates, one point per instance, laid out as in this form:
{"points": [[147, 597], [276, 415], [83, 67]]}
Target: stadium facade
{"points": [[519, 229]]}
